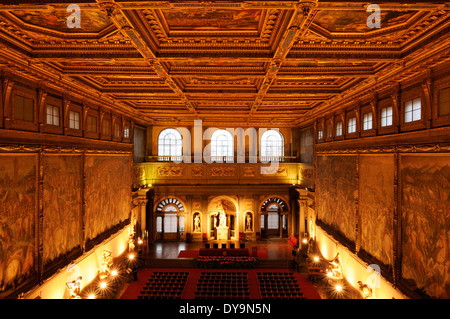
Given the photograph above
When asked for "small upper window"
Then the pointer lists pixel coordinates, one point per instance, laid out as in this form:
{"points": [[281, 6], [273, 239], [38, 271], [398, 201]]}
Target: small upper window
{"points": [[413, 110], [23, 108], [386, 116], [320, 134], [91, 123], [106, 127], [52, 115], [352, 125], [339, 128], [367, 121], [126, 131], [444, 102], [74, 120]]}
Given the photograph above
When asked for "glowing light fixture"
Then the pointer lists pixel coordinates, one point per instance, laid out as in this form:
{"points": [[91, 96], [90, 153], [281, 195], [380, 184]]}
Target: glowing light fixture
{"points": [[114, 273], [103, 285], [338, 288], [131, 256], [91, 296], [316, 259]]}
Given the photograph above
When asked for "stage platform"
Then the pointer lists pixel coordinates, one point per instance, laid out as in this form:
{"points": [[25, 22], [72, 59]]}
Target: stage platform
{"points": [[166, 254]]}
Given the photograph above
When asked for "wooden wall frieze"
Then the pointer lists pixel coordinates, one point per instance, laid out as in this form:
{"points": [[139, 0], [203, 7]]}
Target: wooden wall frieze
{"points": [[58, 150], [425, 148]]}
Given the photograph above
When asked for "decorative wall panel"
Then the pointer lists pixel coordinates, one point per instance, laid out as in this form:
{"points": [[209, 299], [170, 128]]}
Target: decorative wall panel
{"points": [[107, 192], [18, 183], [336, 187], [376, 205], [62, 204], [425, 183]]}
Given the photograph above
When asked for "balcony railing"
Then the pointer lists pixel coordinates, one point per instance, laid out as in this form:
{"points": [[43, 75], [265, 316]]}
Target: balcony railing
{"points": [[225, 159]]}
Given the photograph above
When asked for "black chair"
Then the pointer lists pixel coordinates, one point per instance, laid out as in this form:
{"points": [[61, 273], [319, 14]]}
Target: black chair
{"points": [[207, 245], [232, 246], [224, 246], [242, 245]]}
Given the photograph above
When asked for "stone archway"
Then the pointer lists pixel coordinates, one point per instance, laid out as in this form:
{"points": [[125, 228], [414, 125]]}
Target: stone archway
{"points": [[223, 211]]}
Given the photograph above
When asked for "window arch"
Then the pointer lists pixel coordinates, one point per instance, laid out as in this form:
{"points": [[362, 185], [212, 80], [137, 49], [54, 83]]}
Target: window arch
{"points": [[272, 144], [222, 146], [169, 144]]}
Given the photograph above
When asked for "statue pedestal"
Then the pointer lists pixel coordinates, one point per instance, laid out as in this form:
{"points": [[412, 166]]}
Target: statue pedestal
{"points": [[222, 233]]}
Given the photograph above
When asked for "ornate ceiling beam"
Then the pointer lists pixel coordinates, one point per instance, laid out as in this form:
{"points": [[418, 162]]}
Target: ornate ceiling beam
{"points": [[298, 25], [286, 4], [126, 27]]}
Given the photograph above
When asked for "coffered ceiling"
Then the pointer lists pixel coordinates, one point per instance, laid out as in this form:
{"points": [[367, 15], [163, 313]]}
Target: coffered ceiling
{"points": [[248, 63]]}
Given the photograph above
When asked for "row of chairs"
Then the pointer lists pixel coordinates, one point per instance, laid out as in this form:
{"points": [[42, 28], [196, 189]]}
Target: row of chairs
{"points": [[222, 295], [218, 285], [164, 285], [279, 285]]}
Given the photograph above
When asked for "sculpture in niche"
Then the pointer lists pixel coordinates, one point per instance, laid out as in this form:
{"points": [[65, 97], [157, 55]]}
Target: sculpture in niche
{"points": [[222, 229], [248, 222], [197, 223]]}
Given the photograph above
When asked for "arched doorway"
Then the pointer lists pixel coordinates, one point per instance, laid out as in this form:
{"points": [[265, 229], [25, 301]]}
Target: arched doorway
{"points": [[274, 218], [169, 219]]}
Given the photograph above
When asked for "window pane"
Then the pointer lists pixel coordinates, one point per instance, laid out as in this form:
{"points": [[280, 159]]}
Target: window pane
{"points": [[181, 223], [158, 224], [222, 147], [272, 220], [28, 111], [272, 144], [169, 143], [367, 121], [444, 102], [170, 223]]}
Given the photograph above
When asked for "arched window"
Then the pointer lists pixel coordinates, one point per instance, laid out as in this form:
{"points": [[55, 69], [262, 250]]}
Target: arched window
{"points": [[222, 146], [272, 145], [169, 145]]}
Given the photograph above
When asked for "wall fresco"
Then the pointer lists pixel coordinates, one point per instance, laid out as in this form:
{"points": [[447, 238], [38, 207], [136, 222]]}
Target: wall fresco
{"points": [[425, 182], [62, 205], [376, 205], [336, 187], [107, 192], [17, 219]]}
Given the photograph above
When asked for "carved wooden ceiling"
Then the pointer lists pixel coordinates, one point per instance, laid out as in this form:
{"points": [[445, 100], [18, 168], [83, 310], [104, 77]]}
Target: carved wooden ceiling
{"points": [[249, 63]]}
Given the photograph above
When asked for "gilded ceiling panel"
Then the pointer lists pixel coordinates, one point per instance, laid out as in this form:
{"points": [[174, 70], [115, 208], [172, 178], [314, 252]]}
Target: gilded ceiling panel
{"points": [[212, 19], [356, 20], [91, 21]]}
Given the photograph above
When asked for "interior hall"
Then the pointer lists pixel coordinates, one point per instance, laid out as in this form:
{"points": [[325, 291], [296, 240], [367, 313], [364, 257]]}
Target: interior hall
{"points": [[249, 150]]}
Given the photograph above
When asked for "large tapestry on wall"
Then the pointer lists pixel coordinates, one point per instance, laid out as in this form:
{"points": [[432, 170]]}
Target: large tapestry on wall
{"points": [[17, 219], [336, 189], [425, 182], [62, 205], [107, 192], [376, 205], [307, 146]]}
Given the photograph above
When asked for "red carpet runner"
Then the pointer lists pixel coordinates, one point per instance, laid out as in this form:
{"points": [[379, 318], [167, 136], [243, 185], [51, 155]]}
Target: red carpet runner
{"points": [[132, 291]]}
